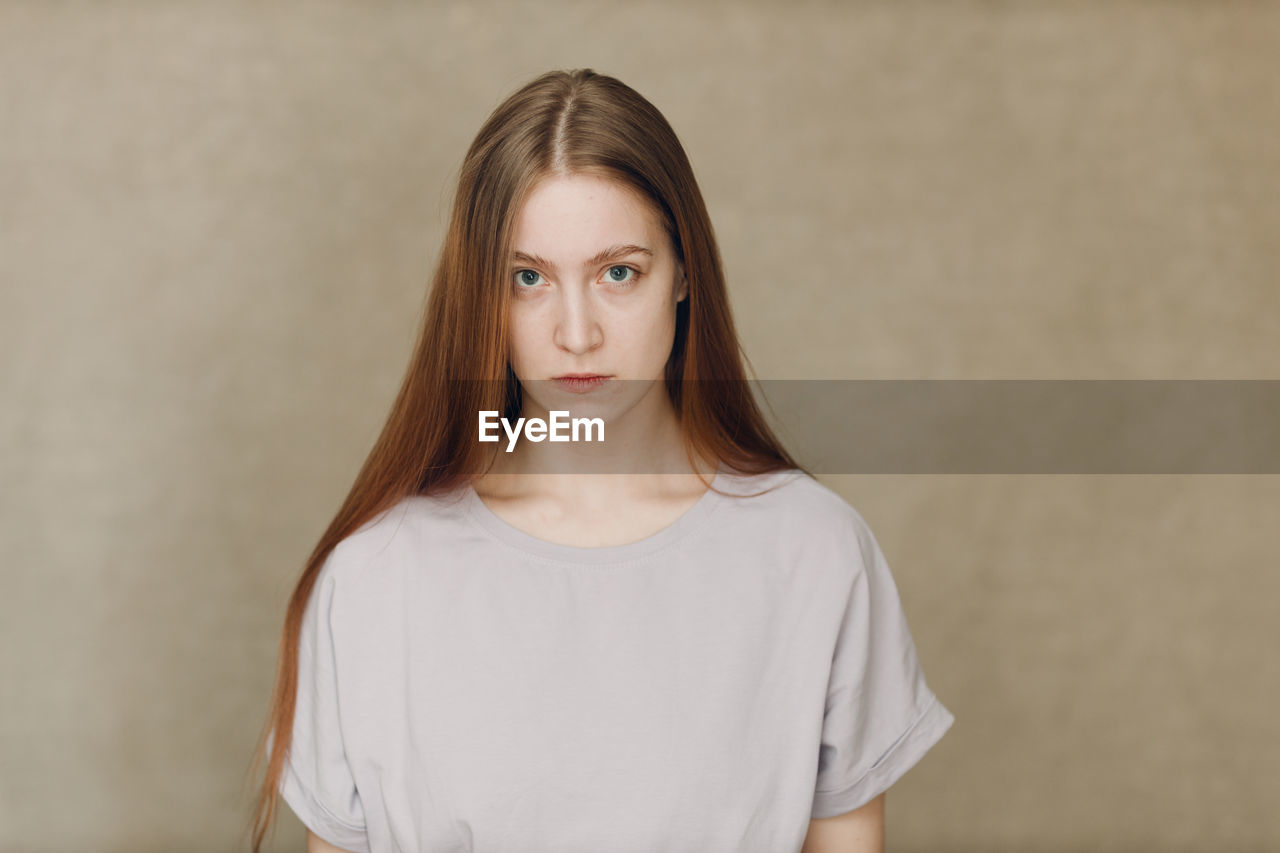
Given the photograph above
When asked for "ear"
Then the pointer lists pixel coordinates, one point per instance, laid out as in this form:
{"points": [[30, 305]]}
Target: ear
{"points": [[682, 283]]}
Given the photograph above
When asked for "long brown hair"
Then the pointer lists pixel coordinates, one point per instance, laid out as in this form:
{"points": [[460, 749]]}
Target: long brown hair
{"points": [[562, 122]]}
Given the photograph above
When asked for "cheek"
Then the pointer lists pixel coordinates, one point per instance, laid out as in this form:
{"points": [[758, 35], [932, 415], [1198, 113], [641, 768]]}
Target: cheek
{"points": [[653, 330], [523, 337]]}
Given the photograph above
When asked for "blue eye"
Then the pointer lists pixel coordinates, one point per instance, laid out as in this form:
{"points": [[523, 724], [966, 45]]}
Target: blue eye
{"points": [[625, 269], [621, 274], [522, 277]]}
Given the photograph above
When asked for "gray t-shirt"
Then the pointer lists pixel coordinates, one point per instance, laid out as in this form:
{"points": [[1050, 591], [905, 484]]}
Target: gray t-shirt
{"points": [[465, 686]]}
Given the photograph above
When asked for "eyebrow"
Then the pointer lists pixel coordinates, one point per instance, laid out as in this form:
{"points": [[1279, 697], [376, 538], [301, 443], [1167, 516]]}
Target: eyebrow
{"points": [[610, 254]]}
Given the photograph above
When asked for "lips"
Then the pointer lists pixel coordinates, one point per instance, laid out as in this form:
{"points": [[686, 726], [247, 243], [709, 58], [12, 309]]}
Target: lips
{"points": [[580, 382]]}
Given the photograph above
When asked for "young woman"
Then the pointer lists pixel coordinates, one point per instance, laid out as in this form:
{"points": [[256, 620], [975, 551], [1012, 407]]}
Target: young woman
{"points": [[674, 639]]}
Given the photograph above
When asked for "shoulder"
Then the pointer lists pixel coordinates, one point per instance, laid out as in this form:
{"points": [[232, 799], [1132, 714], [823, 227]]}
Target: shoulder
{"points": [[799, 509], [794, 494], [413, 526]]}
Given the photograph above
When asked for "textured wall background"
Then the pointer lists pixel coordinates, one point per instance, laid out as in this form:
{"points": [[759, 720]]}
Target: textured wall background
{"points": [[217, 221]]}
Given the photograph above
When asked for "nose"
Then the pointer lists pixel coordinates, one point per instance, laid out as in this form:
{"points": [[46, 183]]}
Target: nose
{"points": [[577, 328]]}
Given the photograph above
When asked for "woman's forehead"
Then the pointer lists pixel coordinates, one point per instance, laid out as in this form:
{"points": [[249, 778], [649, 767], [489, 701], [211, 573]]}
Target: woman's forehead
{"points": [[577, 216]]}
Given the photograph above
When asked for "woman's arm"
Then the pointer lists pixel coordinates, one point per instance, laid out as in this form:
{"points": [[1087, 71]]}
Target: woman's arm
{"points": [[858, 831], [316, 844]]}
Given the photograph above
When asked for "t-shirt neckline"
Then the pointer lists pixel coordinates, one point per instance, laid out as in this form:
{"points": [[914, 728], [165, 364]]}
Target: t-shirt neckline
{"points": [[548, 550]]}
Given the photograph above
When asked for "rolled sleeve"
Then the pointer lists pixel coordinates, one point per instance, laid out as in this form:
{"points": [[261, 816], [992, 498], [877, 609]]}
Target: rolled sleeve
{"points": [[318, 783], [880, 717]]}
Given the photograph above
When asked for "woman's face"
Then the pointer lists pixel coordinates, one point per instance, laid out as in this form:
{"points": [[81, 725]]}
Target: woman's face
{"points": [[595, 284]]}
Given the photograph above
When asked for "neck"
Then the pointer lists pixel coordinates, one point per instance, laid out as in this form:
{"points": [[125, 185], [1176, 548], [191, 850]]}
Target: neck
{"points": [[643, 454]]}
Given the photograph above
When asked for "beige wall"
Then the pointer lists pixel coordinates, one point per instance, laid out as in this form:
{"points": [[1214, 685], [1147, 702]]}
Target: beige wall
{"points": [[216, 224]]}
